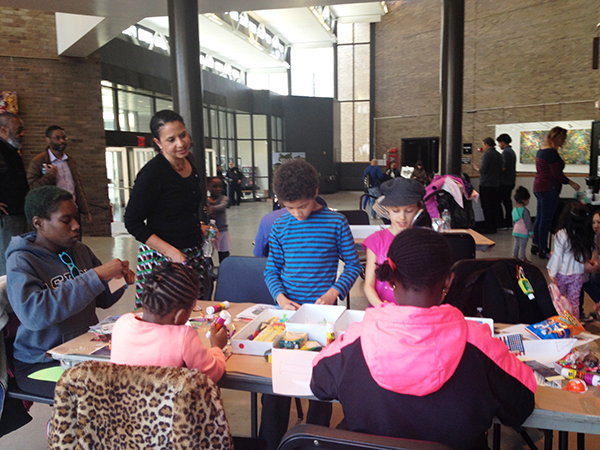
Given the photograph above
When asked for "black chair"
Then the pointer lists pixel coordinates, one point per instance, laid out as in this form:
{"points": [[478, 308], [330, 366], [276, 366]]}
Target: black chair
{"points": [[304, 437], [462, 246], [242, 279], [356, 217]]}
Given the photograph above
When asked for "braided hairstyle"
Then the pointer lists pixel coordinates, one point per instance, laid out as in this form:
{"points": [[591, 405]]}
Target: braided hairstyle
{"points": [[421, 257], [170, 286]]}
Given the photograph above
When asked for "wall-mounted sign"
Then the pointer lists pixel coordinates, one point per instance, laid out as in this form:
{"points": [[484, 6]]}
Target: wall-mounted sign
{"points": [[466, 160], [467, 149]]}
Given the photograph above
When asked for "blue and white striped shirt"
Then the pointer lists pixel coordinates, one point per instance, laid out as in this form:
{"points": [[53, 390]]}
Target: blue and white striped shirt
{"points": [[304, 256]]}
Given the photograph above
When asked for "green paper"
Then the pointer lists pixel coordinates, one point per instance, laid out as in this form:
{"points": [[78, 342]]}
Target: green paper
{"points": [[49, 374]]}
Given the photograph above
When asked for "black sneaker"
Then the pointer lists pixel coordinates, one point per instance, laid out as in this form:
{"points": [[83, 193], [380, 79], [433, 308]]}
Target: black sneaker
{"points": [[534, 249], [586, 318], [543, 255]]}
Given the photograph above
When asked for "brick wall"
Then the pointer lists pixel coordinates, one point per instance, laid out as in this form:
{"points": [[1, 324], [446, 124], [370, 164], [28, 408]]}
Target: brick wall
{"points": [[56, 90], [524, 62]]}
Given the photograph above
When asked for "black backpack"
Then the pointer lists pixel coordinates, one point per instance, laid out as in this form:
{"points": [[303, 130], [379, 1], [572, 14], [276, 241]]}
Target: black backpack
{"points": [[492, 286]]}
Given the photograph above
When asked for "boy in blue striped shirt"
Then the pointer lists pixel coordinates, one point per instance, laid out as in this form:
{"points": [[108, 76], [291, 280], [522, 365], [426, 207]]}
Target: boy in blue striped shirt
{"points": [[305, 247], [306, 243]]}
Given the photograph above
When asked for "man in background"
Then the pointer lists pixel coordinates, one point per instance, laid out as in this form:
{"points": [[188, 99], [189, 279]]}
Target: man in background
{"points": [[13, 183], [508, 178], [235, 184], [55, 166]]}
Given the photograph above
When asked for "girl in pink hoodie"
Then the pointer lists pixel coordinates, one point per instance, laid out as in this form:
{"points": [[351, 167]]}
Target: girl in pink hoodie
{"points": [[161, 337], [416, 369]]}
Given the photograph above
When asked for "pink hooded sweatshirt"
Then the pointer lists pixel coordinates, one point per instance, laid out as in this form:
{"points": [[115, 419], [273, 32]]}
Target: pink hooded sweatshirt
{"points": [[424, 373]]}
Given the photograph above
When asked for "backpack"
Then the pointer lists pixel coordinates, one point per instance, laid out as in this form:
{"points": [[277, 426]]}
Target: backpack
{"points": [[368, 182], [492, 286]]}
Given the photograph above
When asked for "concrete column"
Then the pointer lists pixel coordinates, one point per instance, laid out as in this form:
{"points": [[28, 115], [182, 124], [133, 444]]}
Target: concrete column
{"points": [[184, 42], [451, 85]]}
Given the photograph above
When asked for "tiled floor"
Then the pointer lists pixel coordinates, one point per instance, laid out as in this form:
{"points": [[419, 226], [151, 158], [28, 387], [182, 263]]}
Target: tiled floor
{"points": [[243, 223]]}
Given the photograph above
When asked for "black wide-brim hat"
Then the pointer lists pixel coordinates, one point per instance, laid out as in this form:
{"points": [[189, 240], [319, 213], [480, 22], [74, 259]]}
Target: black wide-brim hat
{"points": [[401, 192]]}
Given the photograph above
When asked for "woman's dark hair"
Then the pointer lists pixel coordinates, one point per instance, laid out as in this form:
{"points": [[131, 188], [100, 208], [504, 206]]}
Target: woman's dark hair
{"points": [[160, 119], [554, 135], [504, 138], [422, 258], [43, 201], [489, 141], [170, 286], [576, 221], [521, 194], [296, 180]]}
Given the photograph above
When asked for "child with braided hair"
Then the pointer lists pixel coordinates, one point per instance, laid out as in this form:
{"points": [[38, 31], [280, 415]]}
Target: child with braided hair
{"points": [[416, 369], [160, 337]]}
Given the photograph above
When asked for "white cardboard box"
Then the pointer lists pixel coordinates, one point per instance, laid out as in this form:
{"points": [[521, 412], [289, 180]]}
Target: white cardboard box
{"points": [[348, 318], [313, 318], [292, 371], [240, 342]]}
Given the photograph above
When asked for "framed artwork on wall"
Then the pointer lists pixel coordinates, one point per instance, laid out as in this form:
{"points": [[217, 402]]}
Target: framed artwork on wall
{"points": [[528, 138], [8, 102]]}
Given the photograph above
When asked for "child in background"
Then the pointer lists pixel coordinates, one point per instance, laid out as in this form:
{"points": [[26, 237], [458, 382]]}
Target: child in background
{"points": [[592, 286], [216, 209], [403, 200], [572, 256], [523, 228], [416, 370], [161, 337]]}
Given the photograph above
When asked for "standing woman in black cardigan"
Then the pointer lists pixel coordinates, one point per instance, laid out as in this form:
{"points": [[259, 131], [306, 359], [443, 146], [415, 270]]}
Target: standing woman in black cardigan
{"points": [[163, 212]]}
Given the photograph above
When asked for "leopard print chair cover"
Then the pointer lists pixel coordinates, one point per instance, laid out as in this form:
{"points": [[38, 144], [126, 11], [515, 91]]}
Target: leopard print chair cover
{"points": [[100, 405]]}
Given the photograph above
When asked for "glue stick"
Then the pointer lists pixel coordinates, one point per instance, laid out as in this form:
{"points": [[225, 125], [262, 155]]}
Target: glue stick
{"points": [[217, 308], [223, 319], [330, 332], [569, 374], [591, 379]]}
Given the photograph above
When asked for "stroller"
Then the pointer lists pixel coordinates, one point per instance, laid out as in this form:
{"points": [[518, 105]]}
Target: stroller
{"points": [[454, 194]]}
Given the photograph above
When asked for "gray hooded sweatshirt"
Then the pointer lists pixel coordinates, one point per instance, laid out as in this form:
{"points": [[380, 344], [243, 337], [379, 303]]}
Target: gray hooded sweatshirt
{"points": [[53, 307]]}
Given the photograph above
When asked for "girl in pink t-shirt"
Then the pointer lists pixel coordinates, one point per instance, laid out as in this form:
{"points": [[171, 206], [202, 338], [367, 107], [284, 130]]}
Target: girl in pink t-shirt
{"points": [[161, 337], [403, 200]]}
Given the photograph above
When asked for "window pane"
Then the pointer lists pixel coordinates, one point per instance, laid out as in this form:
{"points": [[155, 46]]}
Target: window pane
{"points": [[222, 125], [361, 131], [245, 154], [260, 126], [206, 124], [273, 128], [345, 72], [361, 72], [230, 127], [108, 111], [362, 32], [243, 126], [163, 104], [261, 161], [279, 128], [346, 126], [231, 153], [344, 33], [214, 131], [135, 111]]}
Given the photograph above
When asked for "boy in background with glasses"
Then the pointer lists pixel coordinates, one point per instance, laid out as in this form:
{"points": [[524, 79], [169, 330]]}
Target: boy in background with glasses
{"points": [[54, 284]]}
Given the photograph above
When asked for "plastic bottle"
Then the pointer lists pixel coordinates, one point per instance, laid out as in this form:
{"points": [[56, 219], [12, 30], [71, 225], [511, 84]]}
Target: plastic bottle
{"points": [[211, 238], [330, 327], [447, 220]]}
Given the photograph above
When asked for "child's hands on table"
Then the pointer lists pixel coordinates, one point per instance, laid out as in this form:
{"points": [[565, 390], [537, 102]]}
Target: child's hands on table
{"points": [[218, 338], [286, 303]]}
